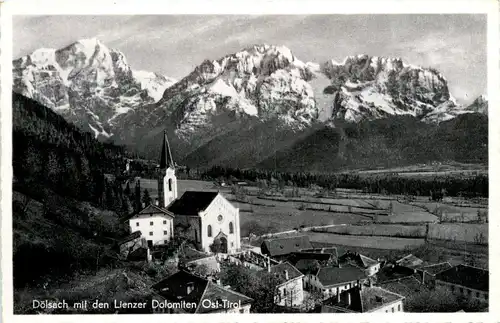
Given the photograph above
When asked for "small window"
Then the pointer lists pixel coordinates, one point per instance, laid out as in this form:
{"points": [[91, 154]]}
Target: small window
{"points": [[392, 309], [209, 230], [137, 224], [151, 223], [477, 294], [461, 290], [151, 233], [399, 307], [386, 311], [164, 221], [165, 232], [165, 242], [242, 310], [232, 244]]}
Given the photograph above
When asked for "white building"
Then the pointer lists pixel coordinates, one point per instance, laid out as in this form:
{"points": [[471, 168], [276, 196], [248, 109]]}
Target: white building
{"points": [[290, 291], [155, 224], [330, 281], [364, 299]]}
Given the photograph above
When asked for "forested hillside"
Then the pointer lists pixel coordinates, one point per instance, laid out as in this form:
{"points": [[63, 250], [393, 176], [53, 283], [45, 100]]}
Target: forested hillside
{"points": [[389, 142], [66, 211]]}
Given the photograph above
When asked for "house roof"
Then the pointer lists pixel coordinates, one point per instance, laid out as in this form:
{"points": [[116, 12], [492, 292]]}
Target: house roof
{"points": [[151, 210], [333, 275], [359, 259], [467, 276], [279, 270], [406, 286], [284, 246], [192, 202], [175, 289], [364, 299], [130, 237], [436, 268], [409, 261]]}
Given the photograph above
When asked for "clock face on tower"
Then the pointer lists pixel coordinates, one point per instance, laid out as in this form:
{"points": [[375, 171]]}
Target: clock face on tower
{"points": [[220, 218]]}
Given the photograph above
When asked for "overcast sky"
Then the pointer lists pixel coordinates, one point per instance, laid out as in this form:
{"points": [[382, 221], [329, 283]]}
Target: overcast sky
{"points": [[174, 45]]}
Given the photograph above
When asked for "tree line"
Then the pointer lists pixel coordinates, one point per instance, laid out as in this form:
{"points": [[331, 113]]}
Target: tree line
{"points": [[475, 186]]}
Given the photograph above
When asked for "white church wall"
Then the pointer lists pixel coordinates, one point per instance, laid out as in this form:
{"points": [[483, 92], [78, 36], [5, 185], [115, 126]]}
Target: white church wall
{"points": [[220, 206]]}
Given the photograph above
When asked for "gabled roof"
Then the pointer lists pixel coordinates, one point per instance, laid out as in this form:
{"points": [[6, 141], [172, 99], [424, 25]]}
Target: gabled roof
{"points": [[363, 299], [406, 286], [166, 159], [334, 276], [279, 271], [409, 261], [152, 210], [192, 202], [436, 268], [467, 276], [130, 237], [175, 287], [284, 246], [359, 259]]}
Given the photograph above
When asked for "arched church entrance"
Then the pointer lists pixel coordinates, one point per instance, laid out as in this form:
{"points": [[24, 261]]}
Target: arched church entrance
{"points": [[223, 244]]}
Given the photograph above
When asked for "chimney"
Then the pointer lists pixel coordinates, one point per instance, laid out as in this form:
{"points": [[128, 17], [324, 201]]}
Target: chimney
{"points": [[190, 287], [286, 274]]}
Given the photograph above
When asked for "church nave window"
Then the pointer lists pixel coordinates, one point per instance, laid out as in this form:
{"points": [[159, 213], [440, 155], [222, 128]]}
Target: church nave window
{"points": [[209, 229], [231, 228]]}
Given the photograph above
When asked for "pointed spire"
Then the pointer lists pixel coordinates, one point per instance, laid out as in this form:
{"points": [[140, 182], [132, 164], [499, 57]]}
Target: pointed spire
{"points": [[166, 159]]}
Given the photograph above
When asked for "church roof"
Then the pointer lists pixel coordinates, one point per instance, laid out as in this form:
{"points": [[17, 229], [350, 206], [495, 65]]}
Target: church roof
{"points": [[152, 209], [166, 159], [192, 202]]}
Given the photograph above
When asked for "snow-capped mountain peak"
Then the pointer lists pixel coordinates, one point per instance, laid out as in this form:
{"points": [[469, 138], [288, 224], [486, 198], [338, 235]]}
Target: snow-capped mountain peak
{"points": [[88, 83]]}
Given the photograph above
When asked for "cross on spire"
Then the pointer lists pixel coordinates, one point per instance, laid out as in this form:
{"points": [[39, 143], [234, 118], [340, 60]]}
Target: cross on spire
{"points": [[166, 159]]}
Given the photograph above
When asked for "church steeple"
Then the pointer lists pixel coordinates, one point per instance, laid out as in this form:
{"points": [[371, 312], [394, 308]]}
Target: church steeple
{"points": [[167, 182], [166, 159]]}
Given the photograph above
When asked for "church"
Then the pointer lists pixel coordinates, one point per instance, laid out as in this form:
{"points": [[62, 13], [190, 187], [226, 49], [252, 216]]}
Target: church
{"points": [[206, 218]]}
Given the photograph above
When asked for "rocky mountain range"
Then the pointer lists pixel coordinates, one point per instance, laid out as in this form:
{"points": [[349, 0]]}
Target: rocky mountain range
{"points": [[236, 98]]}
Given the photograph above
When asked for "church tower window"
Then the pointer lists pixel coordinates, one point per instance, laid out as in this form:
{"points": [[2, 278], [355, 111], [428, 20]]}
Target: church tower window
{"points": [[209, 230], [231, 228], [170, 185]]}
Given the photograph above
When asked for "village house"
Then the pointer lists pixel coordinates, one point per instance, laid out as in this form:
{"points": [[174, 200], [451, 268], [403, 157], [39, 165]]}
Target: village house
{"points": [[281, 248], [187, 293], [428, 273], [332, 280], [370, 266], [410, 261], [131, 243], [155, 224], [405, 286], [465, 281], [364, 299], [290, 291], [308, 262]]}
